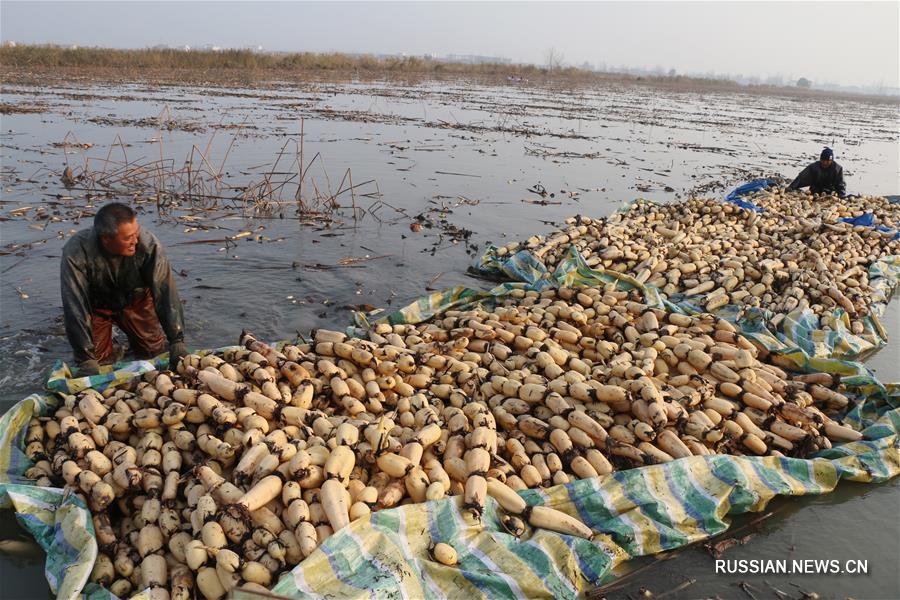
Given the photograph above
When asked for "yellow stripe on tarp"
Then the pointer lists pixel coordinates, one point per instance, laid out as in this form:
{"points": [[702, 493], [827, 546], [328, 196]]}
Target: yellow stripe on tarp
{"points": [[754, 482], [19, 420], [320, 576], [639, 519], [413, 533], [558, 495], [527, 580], [773, 462], [445, 581], [470, 533], [820, 470], [36, 511], [73, 522], [658, 486], [75, 526], [369, 548], [889, 457], [449, 581], [623, 508], [715, 487], [824, 470], [554, 546]]}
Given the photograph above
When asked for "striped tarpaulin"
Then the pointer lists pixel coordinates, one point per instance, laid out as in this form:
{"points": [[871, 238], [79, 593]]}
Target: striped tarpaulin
{"points": [[634, 513]]}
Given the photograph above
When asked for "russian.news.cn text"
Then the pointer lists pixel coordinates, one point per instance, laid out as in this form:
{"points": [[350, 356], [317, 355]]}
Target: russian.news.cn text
{"points": [[809, 566]]}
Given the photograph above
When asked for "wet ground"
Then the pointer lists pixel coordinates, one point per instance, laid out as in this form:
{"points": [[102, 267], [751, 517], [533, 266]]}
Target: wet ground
{"points": [[438, 170]]}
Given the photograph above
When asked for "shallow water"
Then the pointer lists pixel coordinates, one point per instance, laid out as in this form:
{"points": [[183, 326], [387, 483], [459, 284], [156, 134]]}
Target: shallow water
{"points": [[470, 150], [405, 138]]}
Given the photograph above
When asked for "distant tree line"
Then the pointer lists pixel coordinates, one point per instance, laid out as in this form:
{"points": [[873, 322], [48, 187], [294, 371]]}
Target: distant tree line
{"points": [[249, 64], [51, 56]]}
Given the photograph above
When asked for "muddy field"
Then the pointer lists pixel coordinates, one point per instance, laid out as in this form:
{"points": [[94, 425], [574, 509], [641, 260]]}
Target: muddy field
{"points": [[402, 186]]}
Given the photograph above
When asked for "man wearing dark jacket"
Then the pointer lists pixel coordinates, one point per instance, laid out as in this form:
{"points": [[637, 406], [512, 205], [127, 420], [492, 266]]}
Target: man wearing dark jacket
{"points": [[116, 273], [825, 175]]}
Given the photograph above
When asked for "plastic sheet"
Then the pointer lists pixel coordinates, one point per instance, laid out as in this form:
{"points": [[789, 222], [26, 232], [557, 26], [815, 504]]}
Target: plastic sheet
{"points": [[736, 195]]}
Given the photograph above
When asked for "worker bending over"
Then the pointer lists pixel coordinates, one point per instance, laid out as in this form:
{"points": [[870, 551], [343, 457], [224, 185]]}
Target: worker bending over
{"points": [[822, 176], [117, 273]]}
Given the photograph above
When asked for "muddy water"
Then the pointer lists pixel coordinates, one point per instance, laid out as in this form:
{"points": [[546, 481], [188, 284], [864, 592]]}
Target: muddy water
{"points": [[462, 153], [470, 150]]}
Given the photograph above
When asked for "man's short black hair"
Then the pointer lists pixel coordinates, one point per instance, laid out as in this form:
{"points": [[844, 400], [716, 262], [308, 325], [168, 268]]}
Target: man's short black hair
{"points": [[108, 218]]}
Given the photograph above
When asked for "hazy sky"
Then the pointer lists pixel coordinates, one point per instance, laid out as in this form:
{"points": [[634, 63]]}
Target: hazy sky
{"points": [[852, 43]]}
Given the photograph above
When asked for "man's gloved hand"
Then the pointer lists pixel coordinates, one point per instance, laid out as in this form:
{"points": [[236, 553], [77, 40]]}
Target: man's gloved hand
{"points": [[177, 351], [88, 367]]}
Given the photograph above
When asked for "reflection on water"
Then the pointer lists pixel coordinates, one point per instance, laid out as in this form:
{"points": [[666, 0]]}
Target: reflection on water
{"points": [[21, 562]]}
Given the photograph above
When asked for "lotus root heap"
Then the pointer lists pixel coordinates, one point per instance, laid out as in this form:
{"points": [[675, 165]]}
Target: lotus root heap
{"points": [[232, 470], [828, 208], [793, 256]]}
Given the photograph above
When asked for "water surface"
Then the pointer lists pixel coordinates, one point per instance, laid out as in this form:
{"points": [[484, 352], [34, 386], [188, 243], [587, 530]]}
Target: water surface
{"points": [[458, 158]]}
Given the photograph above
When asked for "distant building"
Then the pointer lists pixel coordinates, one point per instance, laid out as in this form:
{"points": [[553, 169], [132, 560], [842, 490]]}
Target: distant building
{"points": [[475, 59], [9, 44], [182, 48]]}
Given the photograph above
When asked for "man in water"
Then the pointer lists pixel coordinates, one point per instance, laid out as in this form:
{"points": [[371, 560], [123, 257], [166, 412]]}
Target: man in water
{"points": [[822, 176], [117, 273]]}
